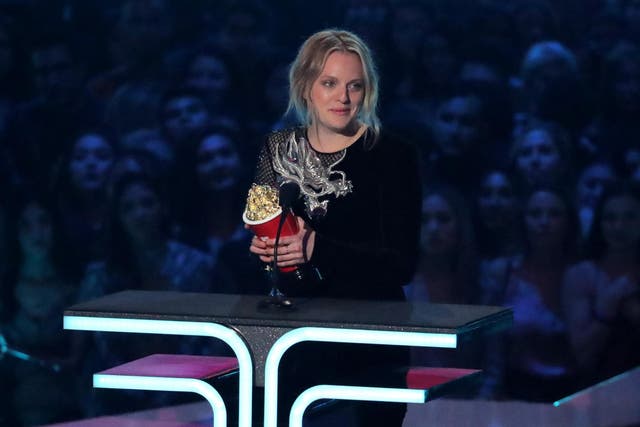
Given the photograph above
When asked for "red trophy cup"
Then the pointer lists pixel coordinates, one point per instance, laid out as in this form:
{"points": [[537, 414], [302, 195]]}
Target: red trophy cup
{"points": [[268, 228]]}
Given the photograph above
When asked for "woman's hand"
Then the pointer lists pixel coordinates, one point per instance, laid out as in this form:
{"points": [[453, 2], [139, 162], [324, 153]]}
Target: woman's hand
{"points": [[292, 250]]}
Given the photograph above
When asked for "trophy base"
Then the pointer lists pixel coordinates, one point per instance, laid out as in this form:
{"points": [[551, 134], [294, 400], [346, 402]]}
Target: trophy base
{"points": [[276, 302]]}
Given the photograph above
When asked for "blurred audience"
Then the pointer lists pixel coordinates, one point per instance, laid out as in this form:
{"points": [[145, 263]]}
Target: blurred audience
{"points": [[534, 361], [42, 386], [139, 118], [601, 294]]}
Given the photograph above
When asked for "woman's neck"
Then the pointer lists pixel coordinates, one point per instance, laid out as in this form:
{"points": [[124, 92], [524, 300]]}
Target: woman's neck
{"points": [[325, 140], [437, 265]]}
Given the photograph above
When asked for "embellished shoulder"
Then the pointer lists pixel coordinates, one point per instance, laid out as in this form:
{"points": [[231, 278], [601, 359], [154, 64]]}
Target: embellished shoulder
{"points": [[288, 156]]}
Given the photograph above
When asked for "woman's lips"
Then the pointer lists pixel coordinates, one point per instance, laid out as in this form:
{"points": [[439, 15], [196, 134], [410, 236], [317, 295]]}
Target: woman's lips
{"points": [[341, 111]]}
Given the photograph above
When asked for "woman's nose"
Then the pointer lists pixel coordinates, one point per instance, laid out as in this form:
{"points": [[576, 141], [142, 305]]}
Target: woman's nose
{"points": [[344, 95]]}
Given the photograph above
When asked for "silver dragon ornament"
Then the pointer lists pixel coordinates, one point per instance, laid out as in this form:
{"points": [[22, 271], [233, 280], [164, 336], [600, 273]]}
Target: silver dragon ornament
{"points": [[296, 161]]}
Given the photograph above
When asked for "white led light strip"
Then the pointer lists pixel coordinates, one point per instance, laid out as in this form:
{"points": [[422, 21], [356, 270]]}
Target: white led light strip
{"points": [[135, 382], [372, 394], [172, 327], [354, 336]]}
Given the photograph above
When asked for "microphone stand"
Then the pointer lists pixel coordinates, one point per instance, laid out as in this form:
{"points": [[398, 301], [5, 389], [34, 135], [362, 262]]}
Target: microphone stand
{"points": [[288, 193], [277, 299]]}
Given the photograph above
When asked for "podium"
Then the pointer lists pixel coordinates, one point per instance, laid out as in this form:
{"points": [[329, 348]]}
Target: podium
{"points": [[259, 338]]}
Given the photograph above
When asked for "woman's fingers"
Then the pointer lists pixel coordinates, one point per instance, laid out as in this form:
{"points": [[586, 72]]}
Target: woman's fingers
{"points": [[290, 248]]}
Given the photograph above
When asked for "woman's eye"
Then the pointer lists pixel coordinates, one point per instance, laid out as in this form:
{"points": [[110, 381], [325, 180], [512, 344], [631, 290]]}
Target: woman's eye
{"points": [[355, 86], [328, 83]]}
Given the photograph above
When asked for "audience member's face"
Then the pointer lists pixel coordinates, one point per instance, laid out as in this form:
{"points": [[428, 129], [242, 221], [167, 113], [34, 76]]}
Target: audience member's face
{"points": [[143, 27], [626, 88], [91, 161], [439, 226], [242, 33], [218, 163], [184, 117], [457, 125], [367, 18], [408, 28], [546, 220], [537, 157], [532, 26], [621, 223], [497, 201], [140, 212], [209, 75], [35, 232], [152, 142], [592, 182], [56, 76]]}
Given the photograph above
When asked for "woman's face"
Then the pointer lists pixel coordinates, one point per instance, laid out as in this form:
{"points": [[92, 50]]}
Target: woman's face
{"points": [[546, 220], [184, 117], [497, 201], [439, 226], [621, 223], [538, 157], [140, 212], [626, 87], [209, 75], [336, 96], [593, 180], [91, 161], [456, 128], [35, 233], [218, 163]]}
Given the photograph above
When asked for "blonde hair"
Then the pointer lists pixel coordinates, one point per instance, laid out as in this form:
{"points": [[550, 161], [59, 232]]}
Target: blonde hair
{"points": [[309, 63]]}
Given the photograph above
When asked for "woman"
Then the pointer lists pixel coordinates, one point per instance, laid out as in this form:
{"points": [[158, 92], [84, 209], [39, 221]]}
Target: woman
{"points": [[141, 256], [592, 181], [40, 389], [541, 155], [447, 265], [359, 210], [447, 270], [82, 190], [497, 214], [602, 294], [211, 217], [534, 361]]}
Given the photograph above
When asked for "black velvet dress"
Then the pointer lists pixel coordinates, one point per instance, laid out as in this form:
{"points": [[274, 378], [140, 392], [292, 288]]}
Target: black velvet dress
{"points": [[366, 247]]}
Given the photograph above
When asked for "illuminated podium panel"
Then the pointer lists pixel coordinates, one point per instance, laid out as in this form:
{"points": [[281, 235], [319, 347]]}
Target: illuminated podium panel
{"points": [[260, 337]]}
